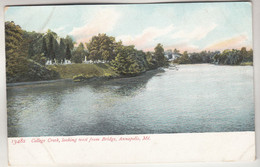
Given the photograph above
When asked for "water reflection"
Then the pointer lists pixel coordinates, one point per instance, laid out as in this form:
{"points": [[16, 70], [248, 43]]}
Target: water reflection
{"points": [[125, 86], [38, 109]]}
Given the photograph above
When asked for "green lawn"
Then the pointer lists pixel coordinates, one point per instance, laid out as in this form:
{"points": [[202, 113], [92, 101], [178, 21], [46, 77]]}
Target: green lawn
{"points": [[87, 70], [247, 64]]}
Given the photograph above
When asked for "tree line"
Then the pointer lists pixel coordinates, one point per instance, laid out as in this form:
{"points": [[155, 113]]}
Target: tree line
{"points": [[23, 47], [26, 50], [227, 57]]}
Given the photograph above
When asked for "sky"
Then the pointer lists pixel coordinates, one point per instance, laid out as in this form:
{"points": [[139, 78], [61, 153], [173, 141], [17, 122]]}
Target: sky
{"points": [[188, 27]]}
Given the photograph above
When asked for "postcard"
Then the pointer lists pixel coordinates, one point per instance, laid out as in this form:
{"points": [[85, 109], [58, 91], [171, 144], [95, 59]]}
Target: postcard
{"points": [[130, 83]]}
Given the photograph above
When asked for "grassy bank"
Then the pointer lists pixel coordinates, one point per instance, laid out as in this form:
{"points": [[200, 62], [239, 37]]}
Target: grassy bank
{"points": [[87, 70], [247, 64]]}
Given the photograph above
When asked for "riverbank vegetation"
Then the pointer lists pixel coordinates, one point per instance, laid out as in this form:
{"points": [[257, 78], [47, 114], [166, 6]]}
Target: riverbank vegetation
{"points": [[49, 53], [21, 64], [227, 57], [34, 56]]}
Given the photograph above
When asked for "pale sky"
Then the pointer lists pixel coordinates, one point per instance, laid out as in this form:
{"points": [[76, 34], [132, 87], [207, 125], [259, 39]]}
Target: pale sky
{"points": [[185, 26]]}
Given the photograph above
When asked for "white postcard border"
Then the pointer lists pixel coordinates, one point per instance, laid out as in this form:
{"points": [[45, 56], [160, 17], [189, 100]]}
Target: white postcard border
{"points": [[128, 149], [3, 121]]}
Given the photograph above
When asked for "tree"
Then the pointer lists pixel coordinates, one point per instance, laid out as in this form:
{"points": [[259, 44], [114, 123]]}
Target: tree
{"points": [[151, 61], [216, 58], [68, 52], [69, 42], [243, 52], [126, 62], [79, 54], [30, 50], [52, 45], [250, 55], [61, 52], [247, 55], [32, 45], [39, 58], [229, 57], [16, 62], [33, 42], [51, 51], [101, 47], [13, 38], [176, 51], [159, 55], [44, 48], [24, 55], [184, 59]]}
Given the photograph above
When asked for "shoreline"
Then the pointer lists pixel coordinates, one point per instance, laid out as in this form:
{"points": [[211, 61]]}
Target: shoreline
{"points": [[246, 64], [88, 80], [106, 78], [36, 82]]}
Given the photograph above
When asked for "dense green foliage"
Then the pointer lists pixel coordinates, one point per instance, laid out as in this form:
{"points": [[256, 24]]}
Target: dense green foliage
{"points": [[159, 56], [234, 57], [28, 52], [23, 57], [48, 48], [227, 57], [79, 54], [39, 56], [127, 62], [101, 47], [15, 62]]}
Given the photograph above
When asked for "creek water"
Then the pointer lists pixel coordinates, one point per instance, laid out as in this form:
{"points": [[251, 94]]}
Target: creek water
{"points": [[194, 98]]}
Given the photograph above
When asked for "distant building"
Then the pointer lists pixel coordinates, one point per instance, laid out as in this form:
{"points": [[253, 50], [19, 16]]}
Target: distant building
{"points": [[168, 54], [174, 56]]}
